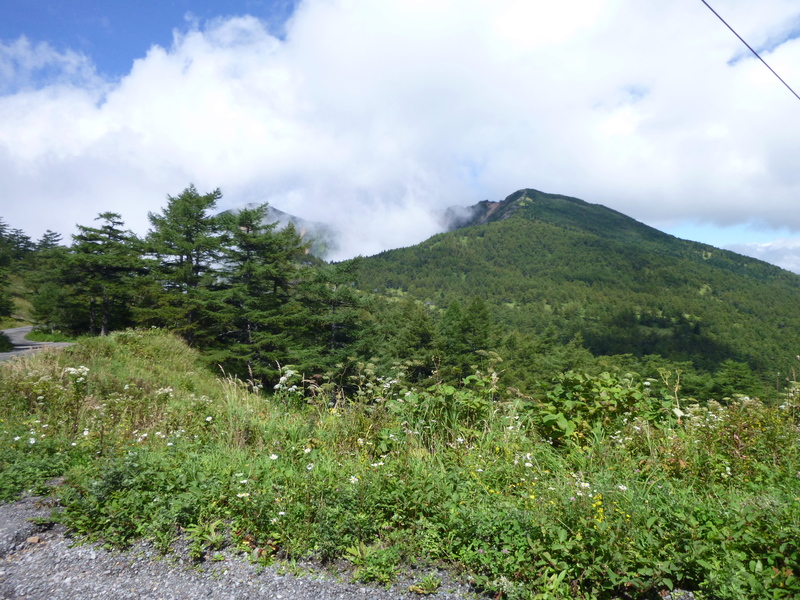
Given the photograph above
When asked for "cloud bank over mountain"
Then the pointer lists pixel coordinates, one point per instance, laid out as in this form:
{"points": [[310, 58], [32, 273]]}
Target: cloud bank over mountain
{"points": [[371, 116]]}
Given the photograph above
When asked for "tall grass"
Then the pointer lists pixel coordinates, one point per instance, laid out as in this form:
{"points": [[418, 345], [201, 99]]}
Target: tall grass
{"points": [[624, 501]]}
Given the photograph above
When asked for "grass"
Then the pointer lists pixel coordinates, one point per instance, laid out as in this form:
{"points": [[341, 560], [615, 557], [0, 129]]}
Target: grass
{"points": [[44, 336], [601, 489]]}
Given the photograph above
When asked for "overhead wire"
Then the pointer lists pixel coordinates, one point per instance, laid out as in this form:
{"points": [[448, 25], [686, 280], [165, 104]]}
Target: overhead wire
{"points": [[750, 48]]}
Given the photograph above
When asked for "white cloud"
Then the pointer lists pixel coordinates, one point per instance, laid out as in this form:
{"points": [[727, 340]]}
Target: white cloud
{"points": [[368, 114], [784, 252]]}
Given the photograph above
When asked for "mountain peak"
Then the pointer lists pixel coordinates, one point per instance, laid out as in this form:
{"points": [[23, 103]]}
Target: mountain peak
{"points": [[562, 211]]}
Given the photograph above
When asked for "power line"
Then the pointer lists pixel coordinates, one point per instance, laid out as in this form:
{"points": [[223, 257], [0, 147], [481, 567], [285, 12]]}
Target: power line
{"points": [[751, 50]]}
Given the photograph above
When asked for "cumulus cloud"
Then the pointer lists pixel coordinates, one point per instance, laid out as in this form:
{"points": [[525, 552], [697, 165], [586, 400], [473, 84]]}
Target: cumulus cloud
{"points": [[371, 116]]}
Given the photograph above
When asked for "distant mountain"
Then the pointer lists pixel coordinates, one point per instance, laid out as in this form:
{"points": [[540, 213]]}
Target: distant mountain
{"points": [[552, 264], [323, 238]]}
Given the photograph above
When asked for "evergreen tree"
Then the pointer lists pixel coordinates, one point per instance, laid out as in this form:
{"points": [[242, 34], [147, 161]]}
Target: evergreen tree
{"points": [[333, 322], [184, 242], [6, 305], [257, 327], [48, 241], [464, 334], [413, 341], [102, 264]]}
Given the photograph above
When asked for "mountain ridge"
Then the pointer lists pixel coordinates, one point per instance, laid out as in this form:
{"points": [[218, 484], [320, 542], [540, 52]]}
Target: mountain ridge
{"points": [[545, 261]]}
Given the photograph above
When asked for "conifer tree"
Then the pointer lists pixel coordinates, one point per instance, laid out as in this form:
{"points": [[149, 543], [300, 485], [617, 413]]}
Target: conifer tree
{"points": [[259, 266], [6, 305], [333, 323], [102, 264], [184, 243]]}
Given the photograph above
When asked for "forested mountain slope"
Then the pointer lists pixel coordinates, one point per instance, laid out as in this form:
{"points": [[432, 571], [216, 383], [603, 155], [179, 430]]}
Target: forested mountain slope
{"points": [[551, 264]]}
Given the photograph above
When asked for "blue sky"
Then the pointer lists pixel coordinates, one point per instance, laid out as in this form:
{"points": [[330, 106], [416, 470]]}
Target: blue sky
{"points": [[116, 32], [373, 115]]}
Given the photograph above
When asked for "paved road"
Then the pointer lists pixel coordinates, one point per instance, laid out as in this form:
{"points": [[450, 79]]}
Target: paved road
{"points": [[21, 345]]}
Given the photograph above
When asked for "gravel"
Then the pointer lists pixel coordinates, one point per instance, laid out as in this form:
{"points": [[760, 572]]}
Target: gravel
{"points": [[41, 561]]}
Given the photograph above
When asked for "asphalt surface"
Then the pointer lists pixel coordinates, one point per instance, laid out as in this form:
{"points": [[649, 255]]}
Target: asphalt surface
{"points": [[21, 345]]}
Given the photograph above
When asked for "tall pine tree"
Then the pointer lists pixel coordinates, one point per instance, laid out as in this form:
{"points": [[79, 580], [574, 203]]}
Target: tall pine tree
{"points": [[184, 243], [258, 324], [102, 265]]}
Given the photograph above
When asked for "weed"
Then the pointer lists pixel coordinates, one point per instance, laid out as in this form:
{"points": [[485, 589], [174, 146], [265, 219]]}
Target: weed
{"points": [[597, 488]]}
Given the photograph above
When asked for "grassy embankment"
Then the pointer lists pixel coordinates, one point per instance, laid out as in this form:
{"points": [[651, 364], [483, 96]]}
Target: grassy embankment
{"points": [[639, 497]]}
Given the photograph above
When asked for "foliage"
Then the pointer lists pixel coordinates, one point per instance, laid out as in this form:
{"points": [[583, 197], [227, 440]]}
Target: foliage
{"points": [[550, 268], [634, 501]]}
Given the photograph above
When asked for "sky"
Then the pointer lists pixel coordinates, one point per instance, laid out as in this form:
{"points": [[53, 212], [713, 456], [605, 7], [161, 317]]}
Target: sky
{"points": [[372, 115]]}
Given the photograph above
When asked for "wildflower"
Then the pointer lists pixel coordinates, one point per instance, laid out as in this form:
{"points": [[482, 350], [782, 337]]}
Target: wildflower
{"points": [[353, 479], [32, 440], [306, 450], [310, 466], [528, 465], [85, 432], [242, 495], [360, 441], [208, 419], [169, 443], [281, 513], [622, 488], [273, 457], [16, 439]]}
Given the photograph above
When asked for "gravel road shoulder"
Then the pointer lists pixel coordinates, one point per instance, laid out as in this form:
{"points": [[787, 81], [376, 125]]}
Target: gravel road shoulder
{"points": [[39, 562]]}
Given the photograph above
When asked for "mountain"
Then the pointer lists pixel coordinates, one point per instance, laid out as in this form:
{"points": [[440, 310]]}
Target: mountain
{"points": [[551, 265], [323, 238]]}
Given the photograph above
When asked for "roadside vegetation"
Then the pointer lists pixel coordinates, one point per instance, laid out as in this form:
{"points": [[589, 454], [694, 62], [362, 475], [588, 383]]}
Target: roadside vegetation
{"points": [[606, 485]]}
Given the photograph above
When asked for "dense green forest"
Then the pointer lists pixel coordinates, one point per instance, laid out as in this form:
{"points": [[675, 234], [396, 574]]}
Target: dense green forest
{"points": [[531, 287]]}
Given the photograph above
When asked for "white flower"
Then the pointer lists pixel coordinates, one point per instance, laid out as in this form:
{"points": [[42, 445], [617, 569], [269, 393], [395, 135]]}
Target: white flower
{"points": [[169, 443], [242, 495], [16, 439], [310, 466], [209, 419], [243, 481], [273, 457], [353, 479], [32, 440], [281, 513], [360, 441], [528, 465], [85, 432], [622, 488], [306, 450]]}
